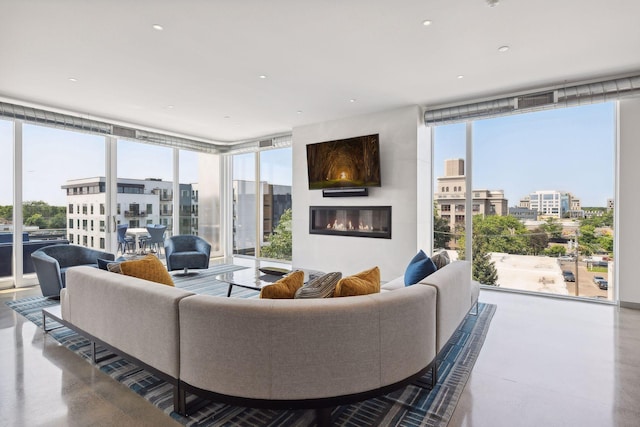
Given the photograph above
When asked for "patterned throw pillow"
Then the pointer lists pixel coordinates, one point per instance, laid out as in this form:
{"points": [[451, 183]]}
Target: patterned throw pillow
{"points": [[285, 287], [363, 283], [441, 259], [320, 287], [148, 268]]}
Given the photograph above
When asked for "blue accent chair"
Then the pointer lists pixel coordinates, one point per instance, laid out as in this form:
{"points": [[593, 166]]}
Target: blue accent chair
{"points": [[52, 262], [185, 251]]}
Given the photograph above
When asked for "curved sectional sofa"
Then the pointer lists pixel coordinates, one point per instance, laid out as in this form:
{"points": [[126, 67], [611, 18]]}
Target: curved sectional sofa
{"points": [[298, 353]]}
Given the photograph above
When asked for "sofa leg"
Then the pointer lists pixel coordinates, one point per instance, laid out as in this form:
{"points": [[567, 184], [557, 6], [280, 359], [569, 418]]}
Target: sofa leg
{"points": [[474, 309], [179, 400], [434, 374], [185, 271], [323, 417]]}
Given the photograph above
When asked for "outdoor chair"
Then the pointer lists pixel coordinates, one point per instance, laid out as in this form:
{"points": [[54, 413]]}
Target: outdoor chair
{"points": [[156, 239], [125, 243]]}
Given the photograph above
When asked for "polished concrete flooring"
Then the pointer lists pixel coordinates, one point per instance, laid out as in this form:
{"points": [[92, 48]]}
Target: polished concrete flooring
{"points": [[545, 362]]}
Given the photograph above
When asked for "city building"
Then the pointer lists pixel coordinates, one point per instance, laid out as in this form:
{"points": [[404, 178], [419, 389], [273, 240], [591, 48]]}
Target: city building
{"points": [[451, 193], [550, 203], [139, 203]]}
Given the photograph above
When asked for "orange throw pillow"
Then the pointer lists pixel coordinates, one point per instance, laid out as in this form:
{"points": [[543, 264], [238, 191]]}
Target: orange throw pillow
{"points": [[285, 287], [148, 268], [363, 283]]}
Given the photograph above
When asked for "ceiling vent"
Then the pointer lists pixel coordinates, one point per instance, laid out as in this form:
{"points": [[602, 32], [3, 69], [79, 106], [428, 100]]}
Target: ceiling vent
{"points": [[535, 100], [266, 143], [123, 132], [560, 96]]}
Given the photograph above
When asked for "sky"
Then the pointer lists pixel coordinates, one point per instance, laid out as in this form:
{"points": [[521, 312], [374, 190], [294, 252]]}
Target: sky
{"points": [[569, 149], [47, 164], [565, 149]]}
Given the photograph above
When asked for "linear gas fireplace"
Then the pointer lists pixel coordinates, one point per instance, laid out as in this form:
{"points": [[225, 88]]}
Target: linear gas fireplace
{"points": [[359, 221]]}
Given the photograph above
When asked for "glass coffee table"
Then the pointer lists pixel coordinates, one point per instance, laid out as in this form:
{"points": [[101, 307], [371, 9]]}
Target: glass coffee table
{"points": [[253, 278]]}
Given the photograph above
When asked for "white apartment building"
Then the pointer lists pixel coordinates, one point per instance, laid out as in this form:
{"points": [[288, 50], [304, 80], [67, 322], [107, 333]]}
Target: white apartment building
{"points": [[551, 203], [139, 203]]}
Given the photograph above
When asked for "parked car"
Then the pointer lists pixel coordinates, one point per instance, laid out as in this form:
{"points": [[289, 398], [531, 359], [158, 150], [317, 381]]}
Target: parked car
{"points": [[566, 258], [604, 285], [568, 276], [597, 279]]}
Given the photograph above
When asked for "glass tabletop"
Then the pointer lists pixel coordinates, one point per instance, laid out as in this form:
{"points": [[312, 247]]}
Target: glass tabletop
{"points": [[253, 278]]}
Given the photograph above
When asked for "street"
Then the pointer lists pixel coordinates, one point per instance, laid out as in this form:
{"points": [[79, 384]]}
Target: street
{"points": [[587, 288]]}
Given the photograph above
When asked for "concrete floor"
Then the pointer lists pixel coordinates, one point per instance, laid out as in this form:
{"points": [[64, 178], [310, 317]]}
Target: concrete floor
{"points": [[545, 362]]}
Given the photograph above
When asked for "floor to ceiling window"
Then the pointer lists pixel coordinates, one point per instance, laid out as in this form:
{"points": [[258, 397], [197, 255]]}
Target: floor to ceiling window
{"points": [[542, 199], [200, 174], [275, 189], [61, 188], [244, 204], [145, 186], [262, 204], [6, 201]]}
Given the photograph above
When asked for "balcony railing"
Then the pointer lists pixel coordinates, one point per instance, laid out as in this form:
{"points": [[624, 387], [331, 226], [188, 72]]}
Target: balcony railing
{"points": [[134, 214]]}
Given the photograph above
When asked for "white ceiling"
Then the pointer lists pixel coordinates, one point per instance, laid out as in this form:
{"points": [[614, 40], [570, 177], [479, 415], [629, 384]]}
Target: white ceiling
{"points": [[317, 56]]}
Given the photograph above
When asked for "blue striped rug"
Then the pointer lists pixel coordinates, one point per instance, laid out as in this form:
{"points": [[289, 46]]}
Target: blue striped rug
{"points": [[410, 406]]}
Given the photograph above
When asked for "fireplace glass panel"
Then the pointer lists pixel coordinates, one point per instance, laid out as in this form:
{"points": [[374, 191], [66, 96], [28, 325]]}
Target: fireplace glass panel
{"points": [[359, 221]]}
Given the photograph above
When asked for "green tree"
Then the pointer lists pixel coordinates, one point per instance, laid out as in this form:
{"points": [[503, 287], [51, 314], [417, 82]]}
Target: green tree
{"points": [[501, 233], [280, 245], [37, 220], [441, 231], [538, 241], [555, 251], [483, 269], [59, 220], [553, 228], [6, 212]]}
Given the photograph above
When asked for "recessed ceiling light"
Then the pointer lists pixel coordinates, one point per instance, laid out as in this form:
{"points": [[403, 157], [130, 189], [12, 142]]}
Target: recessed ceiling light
{"points": [[503, 48], [492, 3], [227, 117], [262, 76], [73, 79], [426, 22], [299, 112], [352, 100], [157, 27], [460, 76], [169, 107]]}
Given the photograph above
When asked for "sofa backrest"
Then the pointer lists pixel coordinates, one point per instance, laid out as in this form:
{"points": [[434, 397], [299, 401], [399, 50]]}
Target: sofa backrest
{"points": [[306, 348], [454, 297], [134, 315]]}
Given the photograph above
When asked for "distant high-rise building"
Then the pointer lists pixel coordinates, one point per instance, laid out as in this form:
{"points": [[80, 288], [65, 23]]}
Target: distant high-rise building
{"points": [[556, 204], [450, 197]]}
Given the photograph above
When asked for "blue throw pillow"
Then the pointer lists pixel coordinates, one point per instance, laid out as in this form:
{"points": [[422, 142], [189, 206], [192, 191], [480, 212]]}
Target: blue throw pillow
{"points": [[419, 267], [102, 263]]}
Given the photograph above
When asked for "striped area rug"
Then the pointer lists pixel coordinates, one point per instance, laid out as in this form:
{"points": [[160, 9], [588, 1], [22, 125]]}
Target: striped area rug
{"points": [[410, 406]]}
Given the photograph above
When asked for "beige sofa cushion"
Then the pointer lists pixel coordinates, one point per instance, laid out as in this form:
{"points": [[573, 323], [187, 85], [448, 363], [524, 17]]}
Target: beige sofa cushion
{"points": [[134, 315], [306, 348]]}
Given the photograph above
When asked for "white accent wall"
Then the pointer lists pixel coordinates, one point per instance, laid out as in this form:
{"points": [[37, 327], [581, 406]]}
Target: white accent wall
{"points": [[401, 133], [628, 204]]}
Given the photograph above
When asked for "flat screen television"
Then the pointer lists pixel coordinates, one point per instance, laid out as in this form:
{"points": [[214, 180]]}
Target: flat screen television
{"points": [[344, 163]]}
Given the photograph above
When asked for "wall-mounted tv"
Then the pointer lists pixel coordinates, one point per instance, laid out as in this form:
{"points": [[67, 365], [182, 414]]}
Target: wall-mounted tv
{"points": [[344, 163]]}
